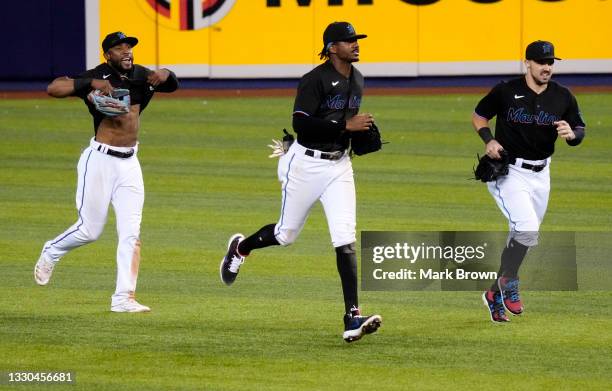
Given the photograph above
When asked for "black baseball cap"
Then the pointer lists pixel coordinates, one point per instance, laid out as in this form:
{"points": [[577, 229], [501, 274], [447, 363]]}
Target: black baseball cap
{"points": [[339, 31], [116, 38], [540, 50]]}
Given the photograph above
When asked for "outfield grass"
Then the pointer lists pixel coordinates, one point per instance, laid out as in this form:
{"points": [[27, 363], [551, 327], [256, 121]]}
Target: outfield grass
{"points": [[207, 176]]}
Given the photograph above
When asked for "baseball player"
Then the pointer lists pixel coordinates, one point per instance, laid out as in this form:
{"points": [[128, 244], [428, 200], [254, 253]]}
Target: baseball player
{"points": [[108, 170], [532, 112], [318, 167]]}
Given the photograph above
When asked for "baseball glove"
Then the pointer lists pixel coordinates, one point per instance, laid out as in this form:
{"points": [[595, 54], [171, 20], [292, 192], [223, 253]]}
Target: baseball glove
{"points": [[279, 148], [366, 142], [116, 104], [489, 169]]}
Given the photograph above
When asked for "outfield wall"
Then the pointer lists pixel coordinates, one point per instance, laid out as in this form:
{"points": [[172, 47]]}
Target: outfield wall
{"points": [[281, 38], [42, 39]]}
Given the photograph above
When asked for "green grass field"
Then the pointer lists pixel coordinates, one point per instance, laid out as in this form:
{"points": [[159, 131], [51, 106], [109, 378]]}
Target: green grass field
{"points": [[207, 176]]}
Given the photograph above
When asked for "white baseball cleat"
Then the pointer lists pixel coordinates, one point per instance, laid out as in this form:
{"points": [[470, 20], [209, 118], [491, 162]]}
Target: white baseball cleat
{"points": [[357, 325], [43, 270], [129, 305]]}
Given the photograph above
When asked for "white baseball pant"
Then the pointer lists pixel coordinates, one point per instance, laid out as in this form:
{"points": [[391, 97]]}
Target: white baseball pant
{"points": [[522, 196], [104, 179], [306, 179]]}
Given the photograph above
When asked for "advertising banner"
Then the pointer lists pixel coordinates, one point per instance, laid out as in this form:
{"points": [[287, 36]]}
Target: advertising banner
{"points": [[281, 38]]}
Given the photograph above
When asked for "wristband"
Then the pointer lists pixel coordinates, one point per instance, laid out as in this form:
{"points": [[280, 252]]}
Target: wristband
{"points": [[579, 133], [485, 134], [82, 85]]}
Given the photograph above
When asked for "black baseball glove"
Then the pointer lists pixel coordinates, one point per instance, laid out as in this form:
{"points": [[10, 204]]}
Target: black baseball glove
{"points": [[489, 169], [366, 142]]}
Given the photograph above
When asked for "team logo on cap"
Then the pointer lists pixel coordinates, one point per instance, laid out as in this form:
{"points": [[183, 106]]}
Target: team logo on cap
{"points": [[190, 14], [546, 48]]}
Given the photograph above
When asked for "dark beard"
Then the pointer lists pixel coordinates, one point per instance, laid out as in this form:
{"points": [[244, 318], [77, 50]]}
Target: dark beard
{"points": [[118, 67]]}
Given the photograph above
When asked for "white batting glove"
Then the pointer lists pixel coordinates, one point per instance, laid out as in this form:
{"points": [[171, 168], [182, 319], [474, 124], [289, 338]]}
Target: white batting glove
{"points": [[277, 149]]}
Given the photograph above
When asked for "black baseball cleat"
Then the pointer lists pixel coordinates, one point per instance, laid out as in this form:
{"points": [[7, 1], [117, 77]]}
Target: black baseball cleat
{"points": [[356, 325], [230, 264]]}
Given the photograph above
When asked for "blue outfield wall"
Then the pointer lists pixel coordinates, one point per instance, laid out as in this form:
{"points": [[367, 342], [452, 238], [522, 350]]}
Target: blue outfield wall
{"points": [[42, 39]]}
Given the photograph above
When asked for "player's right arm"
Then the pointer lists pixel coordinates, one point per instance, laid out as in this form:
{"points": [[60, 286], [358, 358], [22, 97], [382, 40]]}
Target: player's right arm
{"points": [[65, 86], [61, 87], [487, 108], [307, 101], [492, 146]]}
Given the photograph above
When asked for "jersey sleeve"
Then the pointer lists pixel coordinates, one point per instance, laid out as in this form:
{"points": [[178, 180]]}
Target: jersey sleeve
{"points": [[89, 74], [141, 74], [490, 105], [308, 98], [170, 85], [573, 115]]}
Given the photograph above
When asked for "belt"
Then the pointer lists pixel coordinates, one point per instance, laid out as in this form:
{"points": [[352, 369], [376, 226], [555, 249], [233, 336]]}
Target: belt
{"points": [[336, 155], [527, 166], [122, 155]]}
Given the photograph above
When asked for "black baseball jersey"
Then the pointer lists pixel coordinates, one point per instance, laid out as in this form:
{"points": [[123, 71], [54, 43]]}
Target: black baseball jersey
{"points": [[325, 94], [135, 80], [524, 125]]}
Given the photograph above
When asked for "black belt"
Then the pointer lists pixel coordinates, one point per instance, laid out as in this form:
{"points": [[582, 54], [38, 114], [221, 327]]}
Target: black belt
{"points": [[527, 166], [122, 155], [326, 155]]}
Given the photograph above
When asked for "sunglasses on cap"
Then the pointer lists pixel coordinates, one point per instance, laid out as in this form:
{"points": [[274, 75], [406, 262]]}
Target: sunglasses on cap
{"points": [[545, 61]]}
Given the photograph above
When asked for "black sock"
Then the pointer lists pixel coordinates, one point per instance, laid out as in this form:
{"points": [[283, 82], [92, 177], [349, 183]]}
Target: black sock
{"points": [[346, 260], [262, 238], [512, 257]]}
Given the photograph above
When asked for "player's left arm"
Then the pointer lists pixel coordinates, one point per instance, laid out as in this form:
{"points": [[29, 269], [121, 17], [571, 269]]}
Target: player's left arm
{"points": [[571, 127], [571, 136], [164, 80]]}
